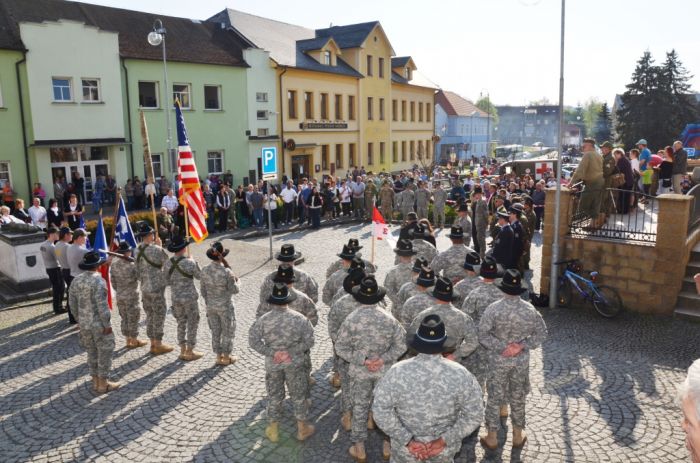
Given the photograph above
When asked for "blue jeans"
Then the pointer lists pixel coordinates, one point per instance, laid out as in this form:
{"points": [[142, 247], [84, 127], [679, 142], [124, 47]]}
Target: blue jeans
{"points": [[210, 219], [130, 203], [302, 210], [258, 217], [315, 217]]}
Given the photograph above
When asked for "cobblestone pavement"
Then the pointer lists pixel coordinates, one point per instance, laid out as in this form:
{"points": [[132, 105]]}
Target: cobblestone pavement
{"points": [[601, 390]]}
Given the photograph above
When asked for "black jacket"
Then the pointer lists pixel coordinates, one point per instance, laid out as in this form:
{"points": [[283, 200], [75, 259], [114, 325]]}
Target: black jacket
{"points": [[503, 247]]}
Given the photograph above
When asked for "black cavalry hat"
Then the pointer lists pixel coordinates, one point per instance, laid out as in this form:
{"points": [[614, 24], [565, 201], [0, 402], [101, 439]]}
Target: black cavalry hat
{"points": [[456, 233], [418, 233], [488, 269], [143, 228], [463, 208], [405, 248], [216, 251], [91, 260], [356, 262], [443, 290], [284, 275], [178, 243], [354, 243], [419, 263], [123, 248], [430, 337], [512, 283], [281, 295], [368, 291], [426, 278], [348, 252], [353, 279], [287, 253], [472, 260]]}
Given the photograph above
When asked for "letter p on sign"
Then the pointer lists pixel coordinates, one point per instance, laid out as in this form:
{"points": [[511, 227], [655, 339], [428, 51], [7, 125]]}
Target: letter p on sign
{"points": [[269, 161]]}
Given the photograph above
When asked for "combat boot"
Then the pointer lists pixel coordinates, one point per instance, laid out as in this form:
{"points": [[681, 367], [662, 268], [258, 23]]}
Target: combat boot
{"points": [[183, 352], [312, 381], [103, 385], [158, 348], [193, 354], [225, 360], [335, 380], [490, 442], [346, 420], [370, 421], [136, 342], [386, 450], [94, 383], [304, 430], [519, 438], [503, 411], [272, 432], [357, 452]]}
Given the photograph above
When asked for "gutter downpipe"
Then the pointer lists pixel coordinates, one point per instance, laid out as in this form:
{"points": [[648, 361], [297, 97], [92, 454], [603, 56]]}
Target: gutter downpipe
{"points": [[128, 115], [281, 127], [24, 125]]}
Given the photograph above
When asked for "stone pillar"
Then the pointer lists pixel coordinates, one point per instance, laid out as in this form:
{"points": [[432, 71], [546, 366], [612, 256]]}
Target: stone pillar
{"points": [[548, 238]]}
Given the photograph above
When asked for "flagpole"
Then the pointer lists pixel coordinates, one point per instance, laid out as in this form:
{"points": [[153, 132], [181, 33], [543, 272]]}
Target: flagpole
{"points": [[187, 223], [374, 238], [149, 164], [117, 199]]}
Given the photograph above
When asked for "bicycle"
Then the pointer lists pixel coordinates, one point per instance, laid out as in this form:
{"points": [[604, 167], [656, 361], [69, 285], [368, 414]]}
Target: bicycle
{"points": [[605, 299]]}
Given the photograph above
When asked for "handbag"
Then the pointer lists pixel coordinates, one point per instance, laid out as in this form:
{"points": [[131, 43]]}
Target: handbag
{"points": [[617, 180], [666, 182]]}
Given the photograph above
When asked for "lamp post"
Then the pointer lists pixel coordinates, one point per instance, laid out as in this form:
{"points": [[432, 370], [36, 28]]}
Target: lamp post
{"points": [[488, 121], [157, 37]]}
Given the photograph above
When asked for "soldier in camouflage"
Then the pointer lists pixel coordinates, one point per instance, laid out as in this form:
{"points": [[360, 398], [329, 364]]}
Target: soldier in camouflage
{"points": [[415, 304], [218, 285], [150, 259], [427, 404], [423, 196], [335, 281], [399, 274], [283, 336], [450, 262], [509, 329], [88, 301], [405, 201], [370, 340], [439, 202], [529, 221], [386, 201], [338, 264], [470, 280], [304, 282], [180, 273], [126, 284], [370, 196], [409, 288], [463, 220], [422, 247]]}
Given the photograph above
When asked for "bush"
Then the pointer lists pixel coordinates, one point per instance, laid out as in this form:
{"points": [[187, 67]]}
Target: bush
{"points": [[91, 225]]}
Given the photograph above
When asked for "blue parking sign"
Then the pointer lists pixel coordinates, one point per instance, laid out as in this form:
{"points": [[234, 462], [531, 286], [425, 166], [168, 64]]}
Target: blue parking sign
{"points": [[269, 160]]}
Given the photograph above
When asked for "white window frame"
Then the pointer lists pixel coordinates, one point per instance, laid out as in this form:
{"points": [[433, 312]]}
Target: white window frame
{"points": [[188, 92], [70, 89], [7, 173], [218, 97], [261, 97], [326, 57], [262, 114], [97, 87], [221, 159], [2, 104], [172, 158], [156, 160], [156, 85]]}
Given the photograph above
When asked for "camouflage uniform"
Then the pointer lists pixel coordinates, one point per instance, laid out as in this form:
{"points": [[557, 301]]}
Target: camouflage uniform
{"points": [[150, 259], [282, 329], [422, 202], [386, 200], [88, 302], [302, 304], [218, 285], [370, 195], [423, 399], [333, 283], [405, 202], [180, 272], [451, 262], [304, 283], [396, 277], [336, 316], [125, 281], [407, 290], [338, 264], [509, 320], [460, 329], [423, 249], [439, 201], [530, 219], [466, 223], [413, 306], [463, 288], [368, 332], [479, 225], [609, 168]]}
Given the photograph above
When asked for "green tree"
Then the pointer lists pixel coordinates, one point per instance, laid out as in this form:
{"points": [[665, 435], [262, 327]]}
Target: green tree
{"points": [[603, 126], [485, 104], [590, 111], [674, 80]]}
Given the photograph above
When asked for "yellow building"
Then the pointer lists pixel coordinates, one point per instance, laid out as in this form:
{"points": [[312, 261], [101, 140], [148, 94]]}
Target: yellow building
{"points": [[340, 96]]}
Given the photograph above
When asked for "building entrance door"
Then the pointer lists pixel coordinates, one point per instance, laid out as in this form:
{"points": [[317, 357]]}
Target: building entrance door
{"points": [[300, 167], [88, 162]]}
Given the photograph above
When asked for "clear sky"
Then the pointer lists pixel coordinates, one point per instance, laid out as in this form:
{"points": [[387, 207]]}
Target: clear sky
{"points": [[509, 48]]}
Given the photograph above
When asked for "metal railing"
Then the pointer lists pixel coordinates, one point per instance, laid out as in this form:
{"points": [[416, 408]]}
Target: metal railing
{"points": [[633, 218], [694, 219]]}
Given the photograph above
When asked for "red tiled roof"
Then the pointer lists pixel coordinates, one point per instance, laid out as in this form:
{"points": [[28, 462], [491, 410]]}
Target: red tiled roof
{"points": [[455, 105]]}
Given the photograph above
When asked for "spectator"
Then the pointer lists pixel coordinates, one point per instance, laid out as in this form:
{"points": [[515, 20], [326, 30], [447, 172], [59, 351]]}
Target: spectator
{"points": [[590, 172], [53, 269], [241, 207], [315, 203], [110, 190], [345, 197], [165, 225], [289, 195], [232, 210], [59, 190], [429, 231], [38, 192], [625, 199], [644, 155], [680, 166], [256, 202], [6, 217], [270, 201], [223, 204], [79, 184], [170, 202], [163, 186], [210, 201], [54, 215], [150, 192], [689, 400], [665, 170], [98, 194], [303, 200], [358, 197], [73, 212], [249, 191], [538, 200], [129, 192], [8, 195], [20, 212], [228, 177], [138, 194], [38, 213]]}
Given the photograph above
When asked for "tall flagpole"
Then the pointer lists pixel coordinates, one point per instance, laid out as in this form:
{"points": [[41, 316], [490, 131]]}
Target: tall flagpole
{"points": [[374, 238], [118, 198], [148, 162]]}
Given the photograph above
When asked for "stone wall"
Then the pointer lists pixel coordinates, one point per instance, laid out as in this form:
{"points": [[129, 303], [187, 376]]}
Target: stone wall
{"points": [[648, 278]]}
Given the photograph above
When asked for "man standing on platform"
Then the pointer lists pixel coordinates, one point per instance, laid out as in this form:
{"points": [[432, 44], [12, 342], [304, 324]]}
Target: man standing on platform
{"points": [[590, 172], [53, 269]]}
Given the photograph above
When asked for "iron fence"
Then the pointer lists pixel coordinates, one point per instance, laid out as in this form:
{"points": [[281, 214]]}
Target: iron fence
{"points": [[694, 219], [632, 218]]}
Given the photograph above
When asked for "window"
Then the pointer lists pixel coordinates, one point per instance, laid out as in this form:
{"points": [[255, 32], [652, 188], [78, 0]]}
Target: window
{"points": [[327, 58], [261, 97], [5, 174], [91, 90], [338, 156], [413, 111], [421, 153], [262, 115], [182, 92], [381, 68], [413, 150], [263, 132], [403, 151], [394, 151], [428, 149], [325, 158], [2, 105], [351, 108], [352, 161], [324, 106], [420, 111], [172, 158], [382, 149], [427, 112], [370, 154], [369, 65], [157, 161], [215, 162], [381, 109], [148, 94], [339, 107], [212, 97], [292, 104], [394, 110], [62, 89], [370, 103], [403, 110], [308, 105]]}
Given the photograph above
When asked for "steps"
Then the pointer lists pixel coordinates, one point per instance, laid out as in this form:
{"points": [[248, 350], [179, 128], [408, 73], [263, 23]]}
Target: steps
{"points": [[688, 302]]}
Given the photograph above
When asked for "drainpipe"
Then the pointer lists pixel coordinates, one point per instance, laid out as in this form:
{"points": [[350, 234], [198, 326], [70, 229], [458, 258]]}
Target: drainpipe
{"points": [[281, 127], [128, 116], [24, 125]]}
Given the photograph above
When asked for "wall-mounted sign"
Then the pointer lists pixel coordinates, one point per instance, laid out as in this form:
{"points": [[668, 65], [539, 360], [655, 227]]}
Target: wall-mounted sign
{"points": [[323, 125]]}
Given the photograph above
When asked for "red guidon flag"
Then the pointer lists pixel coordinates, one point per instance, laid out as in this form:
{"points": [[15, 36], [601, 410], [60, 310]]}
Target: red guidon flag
{"points": [[380, 230], [190, 192]]}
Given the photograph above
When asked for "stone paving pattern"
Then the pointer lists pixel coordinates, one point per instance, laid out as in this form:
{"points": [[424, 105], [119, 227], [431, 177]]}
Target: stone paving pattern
{"points": [[603, 390]]}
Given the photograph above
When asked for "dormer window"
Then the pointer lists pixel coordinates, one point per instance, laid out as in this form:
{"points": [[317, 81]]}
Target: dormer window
{"points": [[407, 73], [327, 58]]}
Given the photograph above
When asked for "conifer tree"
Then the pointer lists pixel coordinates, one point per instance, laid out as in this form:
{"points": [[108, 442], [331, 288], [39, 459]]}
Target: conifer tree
{"points": [[603, 125]]}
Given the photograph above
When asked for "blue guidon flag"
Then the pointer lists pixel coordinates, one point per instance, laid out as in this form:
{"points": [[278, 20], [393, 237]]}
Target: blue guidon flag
{"points": [[122, 227]]}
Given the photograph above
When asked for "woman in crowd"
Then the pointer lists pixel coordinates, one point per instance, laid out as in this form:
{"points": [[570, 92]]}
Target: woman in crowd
{"points": [[315, 203], [54, 215], [637, 184], [271, 202], [73, 212], [20, 212], [6, 217], [38, 192], [430, 238], [665, 170], [624, 166], [129, 193], [8, 195]]}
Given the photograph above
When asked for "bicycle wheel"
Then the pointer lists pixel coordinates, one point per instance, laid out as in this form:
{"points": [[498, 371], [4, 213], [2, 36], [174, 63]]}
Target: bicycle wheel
{"points": [[564, 294], [606, 301]]}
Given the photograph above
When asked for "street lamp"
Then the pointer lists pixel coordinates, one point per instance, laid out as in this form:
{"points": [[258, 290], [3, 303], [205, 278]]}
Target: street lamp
{"points": [[488, 121], [157, 37]]}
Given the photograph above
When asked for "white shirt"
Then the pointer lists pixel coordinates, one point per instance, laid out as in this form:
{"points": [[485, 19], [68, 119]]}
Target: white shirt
{"points": [[170, 203], [635, 165], [288, 195], [150, 189], [38, 215]]}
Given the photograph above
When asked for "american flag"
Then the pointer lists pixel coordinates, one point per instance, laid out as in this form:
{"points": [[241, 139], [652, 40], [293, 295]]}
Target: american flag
{"points": [[190, 192]]}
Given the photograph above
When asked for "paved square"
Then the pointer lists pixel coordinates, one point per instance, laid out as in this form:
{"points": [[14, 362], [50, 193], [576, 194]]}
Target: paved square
{"points": [[603, 390]]}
